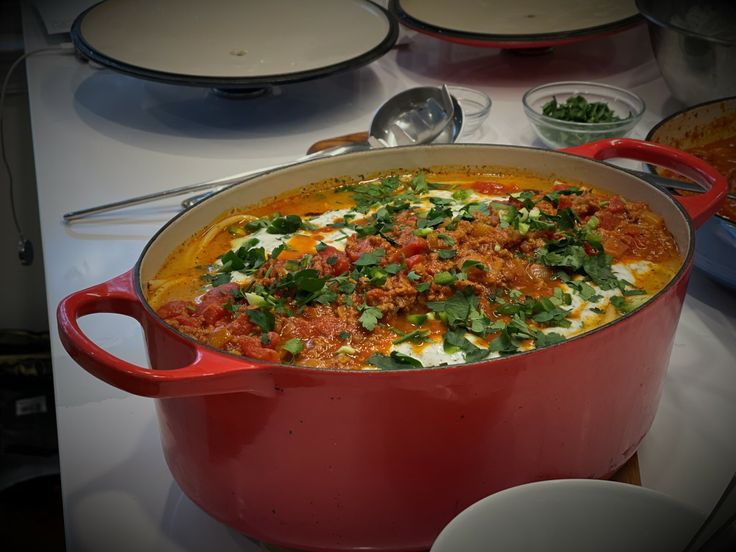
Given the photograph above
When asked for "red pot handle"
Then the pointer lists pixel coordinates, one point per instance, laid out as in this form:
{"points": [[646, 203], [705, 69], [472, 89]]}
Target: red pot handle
{"points": [[208, 372], [700, 207]]}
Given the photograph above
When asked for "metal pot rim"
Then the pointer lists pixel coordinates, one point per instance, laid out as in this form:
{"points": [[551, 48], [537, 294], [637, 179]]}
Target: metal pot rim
{"points": [[652, 18]]}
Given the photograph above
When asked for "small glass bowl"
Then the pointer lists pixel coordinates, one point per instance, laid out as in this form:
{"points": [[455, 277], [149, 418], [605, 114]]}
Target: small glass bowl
{"points": [[556, 133], [475, 105]]}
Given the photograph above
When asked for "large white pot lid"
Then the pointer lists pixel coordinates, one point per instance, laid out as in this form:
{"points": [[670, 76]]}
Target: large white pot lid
{"points": [[516, 23], [234, 43]]}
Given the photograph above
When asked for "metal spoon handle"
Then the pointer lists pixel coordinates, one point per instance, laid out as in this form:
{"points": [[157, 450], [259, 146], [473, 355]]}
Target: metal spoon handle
{"points": [[155, 196], [216, 184], [190, 202], [670, 184]]}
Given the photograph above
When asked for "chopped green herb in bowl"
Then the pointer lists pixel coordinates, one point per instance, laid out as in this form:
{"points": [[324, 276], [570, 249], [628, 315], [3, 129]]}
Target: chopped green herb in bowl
{"points": [[566, 114], [580, 110]]}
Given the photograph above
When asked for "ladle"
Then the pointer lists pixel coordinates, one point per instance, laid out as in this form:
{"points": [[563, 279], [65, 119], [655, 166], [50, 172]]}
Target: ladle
{"points": [[403, 120], [415, 116]]}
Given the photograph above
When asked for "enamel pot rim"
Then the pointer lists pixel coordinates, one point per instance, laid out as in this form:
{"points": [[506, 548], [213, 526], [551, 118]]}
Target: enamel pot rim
{"points": [[572, 157]]}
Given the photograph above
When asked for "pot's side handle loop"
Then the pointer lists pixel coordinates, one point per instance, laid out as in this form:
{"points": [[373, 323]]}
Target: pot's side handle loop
{"points": [[700, 207], [203, 375]]}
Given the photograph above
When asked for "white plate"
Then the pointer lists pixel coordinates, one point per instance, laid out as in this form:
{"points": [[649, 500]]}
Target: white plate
{"points": [[572, 515], [234, 42]]}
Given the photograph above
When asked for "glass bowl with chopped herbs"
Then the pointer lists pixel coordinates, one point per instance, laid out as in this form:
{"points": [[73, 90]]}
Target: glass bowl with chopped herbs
{"points": [[565, 114]]}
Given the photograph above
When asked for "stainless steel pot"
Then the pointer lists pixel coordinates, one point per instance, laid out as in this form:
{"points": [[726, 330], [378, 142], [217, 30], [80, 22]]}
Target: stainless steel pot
{"points": [[694, 42]]}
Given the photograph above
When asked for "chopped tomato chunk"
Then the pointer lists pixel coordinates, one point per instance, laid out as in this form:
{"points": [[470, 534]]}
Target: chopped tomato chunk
{"points": [[220, 294], [241, 325], [564, 202], [172, 309], [614, 246], [415, 246], [355, 249], [252, 347], [337, 260], [557, 186], [616, 205], [212, 312], [489, 187], [413, 261], [607, 220]]}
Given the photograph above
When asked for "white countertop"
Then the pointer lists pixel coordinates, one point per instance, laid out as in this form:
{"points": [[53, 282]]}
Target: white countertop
{"points": [[100, 136]]}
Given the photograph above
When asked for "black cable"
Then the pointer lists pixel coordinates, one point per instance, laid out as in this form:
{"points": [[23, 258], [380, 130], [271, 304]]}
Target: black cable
{"points": [[25, 247]]}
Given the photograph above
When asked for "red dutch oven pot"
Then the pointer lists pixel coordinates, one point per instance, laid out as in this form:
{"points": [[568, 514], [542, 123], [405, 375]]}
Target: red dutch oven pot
{"points": [[336, 460]]}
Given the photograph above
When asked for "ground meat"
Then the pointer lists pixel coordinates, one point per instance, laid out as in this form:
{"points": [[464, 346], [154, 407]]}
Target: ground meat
{"points": [[398, 293], [358, 302]]}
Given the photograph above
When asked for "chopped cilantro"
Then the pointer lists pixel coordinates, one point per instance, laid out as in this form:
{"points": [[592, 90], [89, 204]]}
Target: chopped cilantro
{"points": [[217, 279], [424, 286], [263, 319], [293, 346], [455, 340], [578, 109], [598, 268], [416, 336], [255, 225], [370, 317], [434, 217], [634, 291], [456, 308], [396, 361], [231, 307], [567, 255], [370, 258], [467, 265], [550, 338], [419, 184], [285, 225], [370, 194]]}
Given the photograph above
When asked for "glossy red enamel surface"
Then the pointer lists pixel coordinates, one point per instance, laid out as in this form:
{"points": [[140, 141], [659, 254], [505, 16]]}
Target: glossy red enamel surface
{"points": [[333, 461], [700, 207], [347, 460]]}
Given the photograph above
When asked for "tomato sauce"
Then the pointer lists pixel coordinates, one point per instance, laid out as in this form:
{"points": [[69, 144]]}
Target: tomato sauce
{"points": [[473, 265], [721, 154]]}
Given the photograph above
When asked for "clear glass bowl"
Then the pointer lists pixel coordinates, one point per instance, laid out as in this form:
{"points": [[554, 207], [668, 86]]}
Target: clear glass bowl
{"points": [[557, 133], [475, 105]]}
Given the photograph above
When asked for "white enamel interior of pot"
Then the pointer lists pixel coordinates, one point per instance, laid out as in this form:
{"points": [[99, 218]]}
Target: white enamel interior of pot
{"points": [[492, 158], [698, 125]]}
